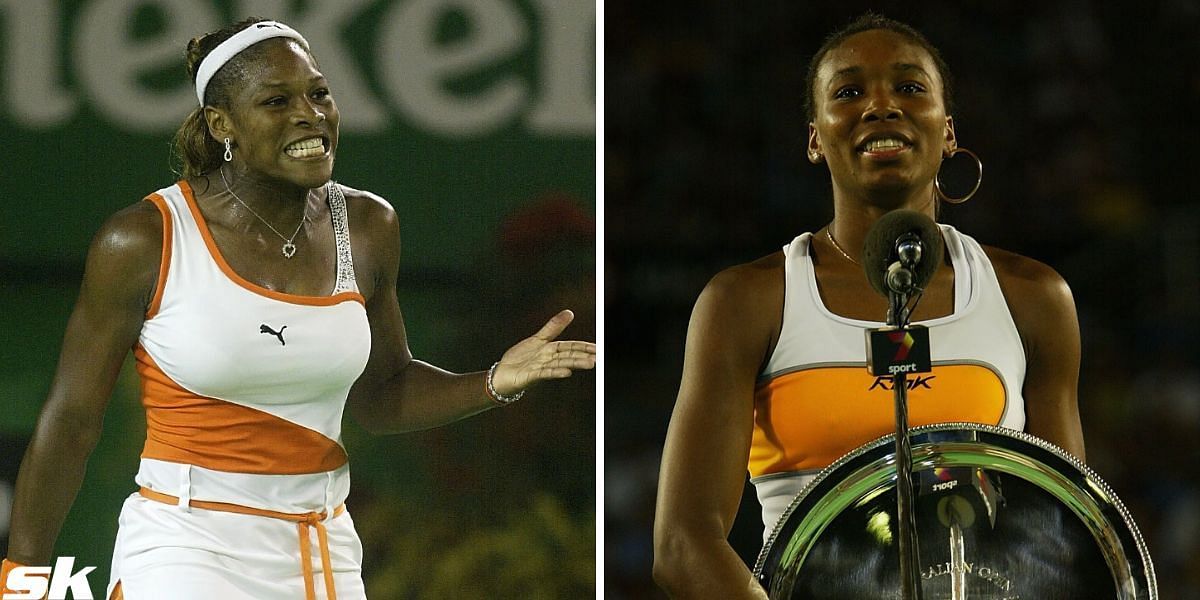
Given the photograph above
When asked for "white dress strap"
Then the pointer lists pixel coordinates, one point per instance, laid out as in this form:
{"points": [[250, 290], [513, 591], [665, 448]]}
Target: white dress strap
{"points": [[341, 236]]}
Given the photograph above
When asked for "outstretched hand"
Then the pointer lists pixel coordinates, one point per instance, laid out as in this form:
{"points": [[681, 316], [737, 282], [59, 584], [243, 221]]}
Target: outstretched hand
{"points": [[539, 357]]}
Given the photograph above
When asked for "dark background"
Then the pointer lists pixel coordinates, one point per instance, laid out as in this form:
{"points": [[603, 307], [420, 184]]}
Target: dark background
{"points": [[1084, 114], [497, 215]]}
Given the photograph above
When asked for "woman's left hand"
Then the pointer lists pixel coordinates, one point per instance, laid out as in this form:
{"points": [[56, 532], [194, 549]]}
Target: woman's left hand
{"points": [[539, 357]]}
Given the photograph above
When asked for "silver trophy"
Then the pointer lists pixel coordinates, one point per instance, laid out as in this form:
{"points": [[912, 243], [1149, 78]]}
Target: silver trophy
{"points": [[999, 514], [976, 511]]}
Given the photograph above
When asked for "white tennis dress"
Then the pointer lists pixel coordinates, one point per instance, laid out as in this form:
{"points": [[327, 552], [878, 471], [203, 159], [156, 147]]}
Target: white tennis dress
{"points": [[243, 474], [815, 401]]}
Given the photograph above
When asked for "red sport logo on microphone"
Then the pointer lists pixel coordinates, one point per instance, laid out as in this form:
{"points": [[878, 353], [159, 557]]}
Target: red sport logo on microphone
{"points": [[904, 342], [891, 351]]}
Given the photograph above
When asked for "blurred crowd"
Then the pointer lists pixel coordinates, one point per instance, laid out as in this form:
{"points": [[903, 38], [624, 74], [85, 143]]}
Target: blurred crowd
{"points": [[1082, 114]]}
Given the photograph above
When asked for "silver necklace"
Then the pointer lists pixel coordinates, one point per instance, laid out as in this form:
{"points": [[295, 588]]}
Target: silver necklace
{"points": [[829, 235], [289, 249]]}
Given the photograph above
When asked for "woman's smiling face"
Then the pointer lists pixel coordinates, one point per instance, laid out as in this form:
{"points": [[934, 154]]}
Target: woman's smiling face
{"points": [[880, 120]]}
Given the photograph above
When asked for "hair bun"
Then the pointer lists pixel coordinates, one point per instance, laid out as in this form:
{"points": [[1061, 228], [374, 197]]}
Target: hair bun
{"points": [[194, 55]]}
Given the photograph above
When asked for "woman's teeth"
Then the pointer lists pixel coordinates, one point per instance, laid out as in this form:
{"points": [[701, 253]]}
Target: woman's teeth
{"points": [[305, 148], [884, 145]]}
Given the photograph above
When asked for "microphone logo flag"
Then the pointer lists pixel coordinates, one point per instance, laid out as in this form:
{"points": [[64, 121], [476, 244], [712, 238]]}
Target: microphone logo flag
{"points": [[891, 351]]}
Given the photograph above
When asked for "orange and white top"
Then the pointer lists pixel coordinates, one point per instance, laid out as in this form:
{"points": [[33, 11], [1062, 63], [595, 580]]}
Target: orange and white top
{"points": [[816, 400], [244, 387]]}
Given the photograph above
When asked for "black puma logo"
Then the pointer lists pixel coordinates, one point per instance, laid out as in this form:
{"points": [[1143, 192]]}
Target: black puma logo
{"points": [[264, 328]]}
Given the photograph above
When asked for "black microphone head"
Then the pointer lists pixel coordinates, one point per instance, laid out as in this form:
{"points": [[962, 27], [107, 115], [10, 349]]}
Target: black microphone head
{"points": [[879, 249]]}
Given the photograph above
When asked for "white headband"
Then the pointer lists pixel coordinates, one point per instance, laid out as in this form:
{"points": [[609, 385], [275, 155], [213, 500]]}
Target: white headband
{"points": [[235, 44]]}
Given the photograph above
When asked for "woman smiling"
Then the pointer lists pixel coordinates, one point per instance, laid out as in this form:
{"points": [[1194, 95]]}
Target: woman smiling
{"points": [[773, 379]]}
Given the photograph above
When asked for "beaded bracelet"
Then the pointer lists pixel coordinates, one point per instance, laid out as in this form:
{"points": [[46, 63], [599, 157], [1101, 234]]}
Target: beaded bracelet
{"points": [[497, 397]]}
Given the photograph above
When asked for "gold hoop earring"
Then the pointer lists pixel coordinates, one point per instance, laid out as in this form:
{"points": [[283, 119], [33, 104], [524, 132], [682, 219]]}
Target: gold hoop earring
{"points": [[937, 182]]}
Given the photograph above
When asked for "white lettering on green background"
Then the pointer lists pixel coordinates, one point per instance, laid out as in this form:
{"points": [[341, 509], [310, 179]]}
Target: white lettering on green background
{"points": [[32, 70], [420, 65], [109, 60], [412, 68]]}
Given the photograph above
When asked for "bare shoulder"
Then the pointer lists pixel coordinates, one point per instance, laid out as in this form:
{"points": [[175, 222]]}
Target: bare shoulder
{"points": [[742, 306], [132, 236], [374, 224], [1026, 277], [125, 254], [1038, 298], [749, 284], [369, 212]]}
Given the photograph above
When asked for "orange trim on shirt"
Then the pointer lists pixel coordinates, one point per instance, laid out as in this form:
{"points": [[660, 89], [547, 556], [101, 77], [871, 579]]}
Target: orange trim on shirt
{"points": [[215, 434], [117, 594], [250, 285], [165, 260], [807, 419]]}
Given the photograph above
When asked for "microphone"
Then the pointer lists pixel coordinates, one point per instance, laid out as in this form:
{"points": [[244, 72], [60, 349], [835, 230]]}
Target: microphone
{"points": [[902, 252]]}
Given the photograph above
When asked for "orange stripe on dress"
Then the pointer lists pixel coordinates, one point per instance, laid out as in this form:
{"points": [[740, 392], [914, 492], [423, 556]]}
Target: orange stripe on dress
{"points": [[165, 260], [805, 420], [214, 434], [250, 285]]}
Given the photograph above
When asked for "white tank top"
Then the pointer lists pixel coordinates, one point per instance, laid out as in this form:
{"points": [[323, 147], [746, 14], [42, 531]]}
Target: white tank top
{"points": [[815, 400], [244, 387]]}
